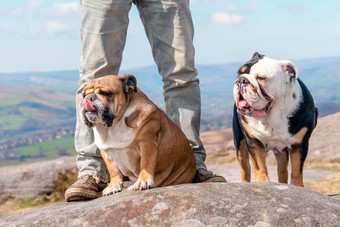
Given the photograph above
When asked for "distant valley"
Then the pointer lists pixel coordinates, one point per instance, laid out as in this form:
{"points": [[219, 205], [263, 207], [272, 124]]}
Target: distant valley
{"points": [[36, 103]]}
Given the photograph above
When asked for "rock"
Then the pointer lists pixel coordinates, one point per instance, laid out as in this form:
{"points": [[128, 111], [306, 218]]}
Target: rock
{"points": [[206, 204], [27, 181], [324, 143], [336, 196]]}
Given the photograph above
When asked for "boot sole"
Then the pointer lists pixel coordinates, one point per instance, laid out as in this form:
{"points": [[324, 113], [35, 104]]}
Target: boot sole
{"points": [[79, 194], [217, 179]]}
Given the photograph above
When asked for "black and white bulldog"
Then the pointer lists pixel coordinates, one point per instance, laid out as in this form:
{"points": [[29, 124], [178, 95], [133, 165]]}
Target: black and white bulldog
{"points": [[273, 111]]}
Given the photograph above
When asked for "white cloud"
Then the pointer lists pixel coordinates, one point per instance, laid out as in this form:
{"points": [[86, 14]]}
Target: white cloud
{"points": [[253, 6], [230, 7], [193, 1], [226, 19], [35, 3], [35, 6], [65, 8], [16, 11], [11, 11], [52, 27], [201, 1], [39, 7], [296, 8]]}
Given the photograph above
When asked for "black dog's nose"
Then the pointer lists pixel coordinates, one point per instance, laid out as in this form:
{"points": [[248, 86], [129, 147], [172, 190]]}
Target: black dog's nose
{"points": [[244, 81]]}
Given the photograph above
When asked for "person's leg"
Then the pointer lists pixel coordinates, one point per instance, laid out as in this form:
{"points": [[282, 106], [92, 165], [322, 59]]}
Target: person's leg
{"points": [[169, 28], [103, 33]]}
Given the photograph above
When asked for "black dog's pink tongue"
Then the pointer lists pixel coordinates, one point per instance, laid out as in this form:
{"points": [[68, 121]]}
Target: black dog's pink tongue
{"points": [[88, 105], [243, 103]]}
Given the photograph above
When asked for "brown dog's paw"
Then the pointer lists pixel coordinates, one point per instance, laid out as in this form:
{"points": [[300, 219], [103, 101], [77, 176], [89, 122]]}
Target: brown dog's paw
{"points": [[113, 188], [145, 181]]}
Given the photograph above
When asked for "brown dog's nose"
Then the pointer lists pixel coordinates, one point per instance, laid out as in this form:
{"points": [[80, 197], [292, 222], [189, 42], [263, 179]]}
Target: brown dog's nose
{"points": [[88, 105]]}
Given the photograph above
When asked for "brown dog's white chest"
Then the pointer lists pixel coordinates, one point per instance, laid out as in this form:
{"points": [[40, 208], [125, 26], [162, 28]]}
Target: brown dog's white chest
{"points": [[118, 136], [116, 142], [127, 160]]}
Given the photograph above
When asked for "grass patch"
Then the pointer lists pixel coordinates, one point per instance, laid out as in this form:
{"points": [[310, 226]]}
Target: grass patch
{"points": [[327, 165], [49, 149], [225, 156], [329, 185], [11, 122], [18, 206], [11, 100]]}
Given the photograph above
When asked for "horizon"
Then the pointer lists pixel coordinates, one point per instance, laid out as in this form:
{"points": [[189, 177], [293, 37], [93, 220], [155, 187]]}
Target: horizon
{"points": [[155, 66], [43, 35]]}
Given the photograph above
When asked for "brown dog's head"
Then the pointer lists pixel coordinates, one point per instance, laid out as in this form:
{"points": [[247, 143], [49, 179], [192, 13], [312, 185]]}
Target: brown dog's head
{"points": [[105, 97]]}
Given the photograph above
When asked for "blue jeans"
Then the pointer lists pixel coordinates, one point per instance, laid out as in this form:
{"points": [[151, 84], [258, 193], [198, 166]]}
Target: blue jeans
{"points": [[169, 29]]}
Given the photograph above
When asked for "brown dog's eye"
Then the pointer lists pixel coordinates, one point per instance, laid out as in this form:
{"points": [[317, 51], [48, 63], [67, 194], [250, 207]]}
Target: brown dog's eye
{"points": [[107, 94]]}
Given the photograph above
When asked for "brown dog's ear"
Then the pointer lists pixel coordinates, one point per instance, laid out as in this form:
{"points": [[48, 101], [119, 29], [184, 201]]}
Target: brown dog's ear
{"points": [[83, 91], [129, 83]]}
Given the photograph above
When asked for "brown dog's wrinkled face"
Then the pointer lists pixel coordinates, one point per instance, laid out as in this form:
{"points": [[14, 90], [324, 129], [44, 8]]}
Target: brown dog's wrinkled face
{"points": [[105, 97], [260, 83]]}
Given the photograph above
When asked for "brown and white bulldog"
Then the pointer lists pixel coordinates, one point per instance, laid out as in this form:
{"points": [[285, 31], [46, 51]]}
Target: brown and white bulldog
{"points": [[135, 137]]}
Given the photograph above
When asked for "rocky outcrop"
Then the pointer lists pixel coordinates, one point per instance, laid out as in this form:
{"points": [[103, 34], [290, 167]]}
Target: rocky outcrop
{"points": [[206, 204], [325, 142], [27, 181]]}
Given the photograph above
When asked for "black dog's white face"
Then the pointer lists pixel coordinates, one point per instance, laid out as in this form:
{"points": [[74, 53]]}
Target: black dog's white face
{"points": [[261, 82]]}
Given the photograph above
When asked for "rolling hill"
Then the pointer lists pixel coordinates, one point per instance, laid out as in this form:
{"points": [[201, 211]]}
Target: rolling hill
{"points": [[322, 76], [25, 110]]}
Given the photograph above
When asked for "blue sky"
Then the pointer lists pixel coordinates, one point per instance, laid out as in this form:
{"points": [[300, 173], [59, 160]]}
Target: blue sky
{"points": [[43, 35]]}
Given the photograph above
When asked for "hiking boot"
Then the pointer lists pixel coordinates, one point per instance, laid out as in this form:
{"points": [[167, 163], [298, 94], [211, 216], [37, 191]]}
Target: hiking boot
{"points": [[85, 188], [203, 175]]}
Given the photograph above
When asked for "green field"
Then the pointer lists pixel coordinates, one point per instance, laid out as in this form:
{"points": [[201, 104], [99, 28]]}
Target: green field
{"points": [[48, 148], [29, 110], [41, 151], [11, 122], [11, 100]]}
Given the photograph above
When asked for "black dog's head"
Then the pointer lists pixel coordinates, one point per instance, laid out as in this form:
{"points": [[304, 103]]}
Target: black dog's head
{"points": [[260, 83]]}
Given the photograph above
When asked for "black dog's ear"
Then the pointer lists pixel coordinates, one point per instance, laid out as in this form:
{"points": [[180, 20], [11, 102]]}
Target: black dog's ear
{"points": [[257, 56], [246, 67], [129, 83], [289, 69]]}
